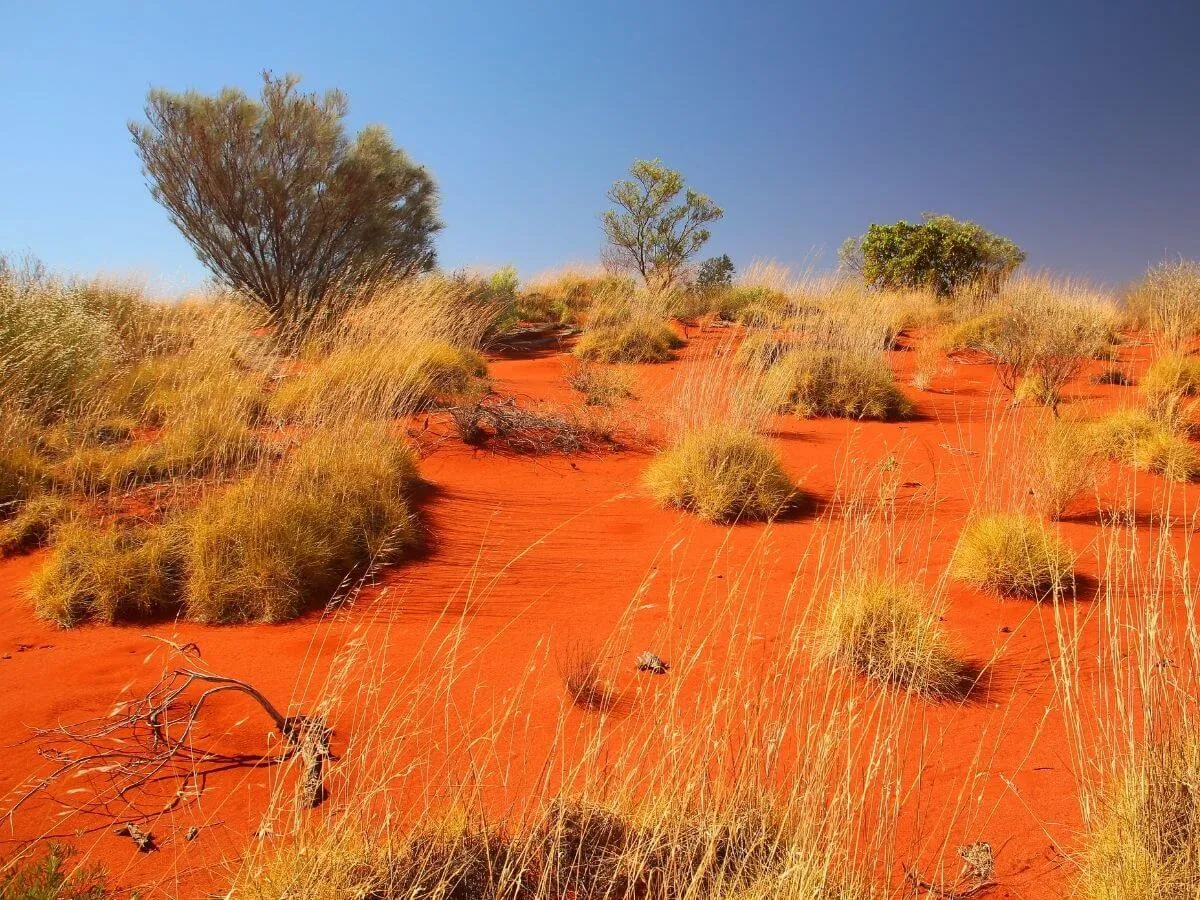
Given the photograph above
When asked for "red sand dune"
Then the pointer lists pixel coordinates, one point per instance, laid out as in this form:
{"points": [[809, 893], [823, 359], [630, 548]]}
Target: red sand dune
{"points": [[562, 545]]}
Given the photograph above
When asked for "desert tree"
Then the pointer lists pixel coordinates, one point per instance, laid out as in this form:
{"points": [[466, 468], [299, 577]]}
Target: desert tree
{"points": [[715, 272], [280, 203], [939, 253], [652, 229]]}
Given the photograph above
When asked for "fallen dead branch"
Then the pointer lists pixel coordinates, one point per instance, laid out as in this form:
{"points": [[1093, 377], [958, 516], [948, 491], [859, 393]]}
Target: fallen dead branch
{"points": [[500, 421], [142, 759]]}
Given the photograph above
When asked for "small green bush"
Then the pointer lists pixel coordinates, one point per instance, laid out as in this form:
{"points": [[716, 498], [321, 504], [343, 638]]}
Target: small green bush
{"points": [[51, 878]]}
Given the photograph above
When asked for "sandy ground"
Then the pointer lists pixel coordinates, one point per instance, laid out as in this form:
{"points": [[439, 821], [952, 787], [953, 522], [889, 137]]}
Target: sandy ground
{"points": [[534, 553]]}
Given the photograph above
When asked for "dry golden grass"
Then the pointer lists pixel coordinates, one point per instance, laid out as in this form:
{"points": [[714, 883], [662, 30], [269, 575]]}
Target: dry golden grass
{"points": [[378, 380], [886, 630], [722, 474], [107, 574], [33, 523], [814, 382], [1061, 464], [275, 543], [1170, 378], [1013, 554], [1146, 842], [638, 340], [571, 295], [599, 385], [1167, 303], [1148, 442]]}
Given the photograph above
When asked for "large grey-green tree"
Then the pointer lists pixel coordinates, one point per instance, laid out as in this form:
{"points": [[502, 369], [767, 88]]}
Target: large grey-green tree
{"points": [[280, 203], [651, 230]]}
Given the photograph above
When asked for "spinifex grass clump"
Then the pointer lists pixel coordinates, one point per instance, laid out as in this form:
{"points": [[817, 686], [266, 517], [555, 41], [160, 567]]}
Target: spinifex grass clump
{"points": [[108, 574], [721, 473], [1013, 554], [816, 382], [885, 630], [278, 541], [1061, 464], [1170, 378], [33, 523], [1153, 443], [377, 380], [643, 339], [599, 385], [1146, 843]]}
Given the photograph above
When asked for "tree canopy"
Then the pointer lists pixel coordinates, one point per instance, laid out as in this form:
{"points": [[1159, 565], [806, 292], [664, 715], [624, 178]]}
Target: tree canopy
{"points": [[651, 231], [939, 253], [280, 204]]}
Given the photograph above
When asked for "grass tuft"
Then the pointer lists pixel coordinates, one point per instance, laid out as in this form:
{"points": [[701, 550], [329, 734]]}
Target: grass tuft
{"points": [[1146, 845], [107, 574], [275, 543], [33, 523], [884, 630], [641, 340], [1013, 554], [815, 382], [722, 474], [1147, 442]]}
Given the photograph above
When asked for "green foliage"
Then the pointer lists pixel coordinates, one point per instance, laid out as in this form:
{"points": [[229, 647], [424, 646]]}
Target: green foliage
{"points": [[940, 254], [715, 272], [280, 203], [650, 232], [50, 878]]}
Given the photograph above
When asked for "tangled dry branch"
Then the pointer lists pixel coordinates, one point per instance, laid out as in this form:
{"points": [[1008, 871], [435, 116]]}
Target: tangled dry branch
{"points": [[142, 759]]}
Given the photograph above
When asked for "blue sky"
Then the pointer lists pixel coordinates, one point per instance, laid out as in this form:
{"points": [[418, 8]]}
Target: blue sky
{"points": [[1072, 128]]}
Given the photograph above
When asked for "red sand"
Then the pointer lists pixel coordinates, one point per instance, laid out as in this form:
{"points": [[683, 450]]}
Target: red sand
{"points": [[571, 539]]}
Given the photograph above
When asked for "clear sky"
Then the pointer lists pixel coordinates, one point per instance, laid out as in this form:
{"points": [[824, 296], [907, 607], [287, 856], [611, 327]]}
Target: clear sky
{"points": [[1072, 128]]}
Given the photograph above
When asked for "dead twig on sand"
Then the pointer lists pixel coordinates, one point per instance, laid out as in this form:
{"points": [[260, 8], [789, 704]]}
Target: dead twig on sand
{"points": [[500, 421], [142, 760]]}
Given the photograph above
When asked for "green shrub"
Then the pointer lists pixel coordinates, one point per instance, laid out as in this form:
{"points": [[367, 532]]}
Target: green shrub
{"points": [[815, 382], [275, 543], [939, 253], [722, 474], [1012, 554], [51, 878], [641, 340]]}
